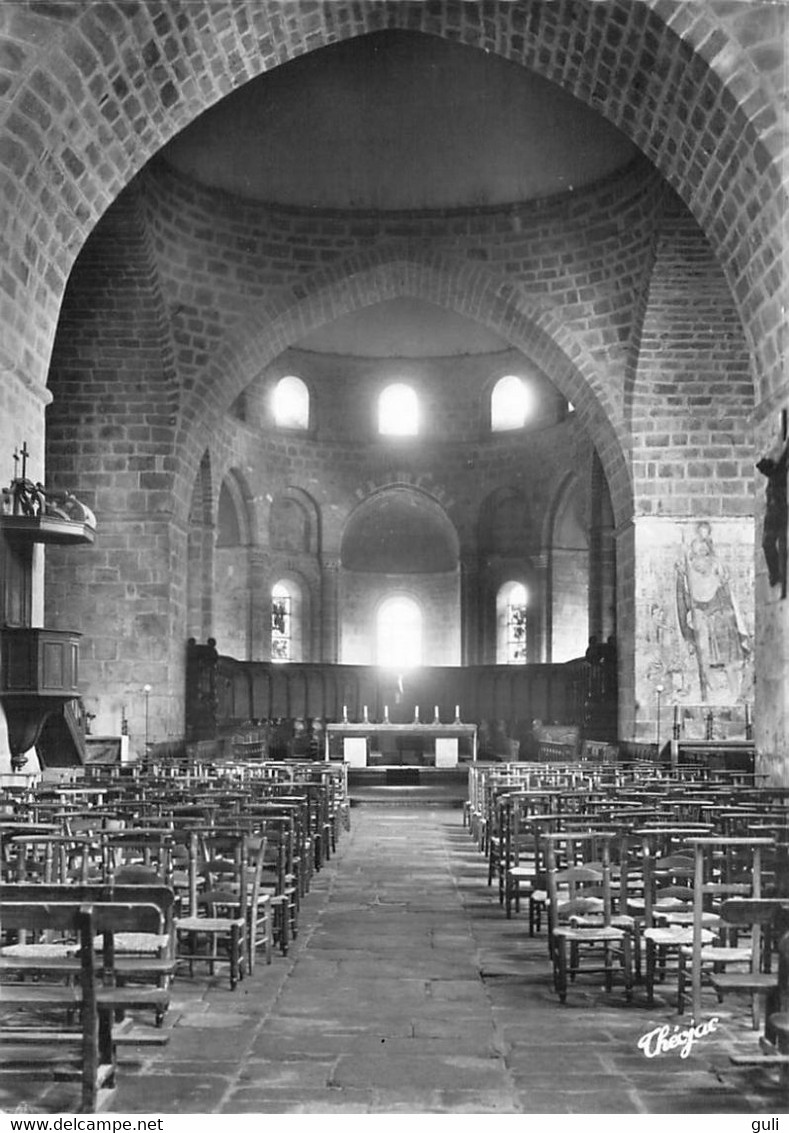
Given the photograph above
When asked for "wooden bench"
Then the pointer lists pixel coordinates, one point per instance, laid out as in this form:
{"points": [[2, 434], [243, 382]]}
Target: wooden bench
{"points": [[773, 1050], [757, 914], [137, 954], [93, 995], [715, 755]]}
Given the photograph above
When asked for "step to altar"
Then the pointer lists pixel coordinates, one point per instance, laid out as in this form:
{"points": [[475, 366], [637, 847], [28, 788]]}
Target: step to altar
{"points": [[408, 786]]}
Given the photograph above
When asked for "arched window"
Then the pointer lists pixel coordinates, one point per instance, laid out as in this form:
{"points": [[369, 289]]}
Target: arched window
{"points": [[291, 403], [285, 621], [510, 404], [399, 633], [398, 411], [511, 624]]}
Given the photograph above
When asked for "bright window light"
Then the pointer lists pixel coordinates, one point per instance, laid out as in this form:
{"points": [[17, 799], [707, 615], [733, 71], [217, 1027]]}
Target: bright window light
{"points": [[292, 403], [281, 623], [510, 404], [398, 412], [399, 634], [512, 624]]}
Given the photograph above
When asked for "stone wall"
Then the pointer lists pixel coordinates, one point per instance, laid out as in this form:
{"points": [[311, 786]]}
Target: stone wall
{"points": [[134, 344], [93, 92], [438, 599], [693, 389]]}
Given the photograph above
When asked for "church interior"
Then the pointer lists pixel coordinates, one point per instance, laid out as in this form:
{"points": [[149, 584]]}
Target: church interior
{"points": [[393, 456]]}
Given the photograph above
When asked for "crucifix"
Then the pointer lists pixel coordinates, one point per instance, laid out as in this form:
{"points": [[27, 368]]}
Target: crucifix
{"points": [[774, 538], [28, 498], [24, 454]]}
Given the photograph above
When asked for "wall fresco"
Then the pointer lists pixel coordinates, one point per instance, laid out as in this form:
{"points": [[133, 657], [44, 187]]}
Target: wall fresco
{"points": [[695, 616]]}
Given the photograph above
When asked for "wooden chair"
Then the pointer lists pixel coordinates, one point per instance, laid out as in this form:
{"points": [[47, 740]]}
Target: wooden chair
{"points": [[148, 848], [579, 913], [667, 911], [773, 1052], [516, 849], [141, 954], [50, 858], [712, 884], [278, 878], [756, 976], [524, 865], [218, 904], [94, 997], [260, 928], [776, 1044]]}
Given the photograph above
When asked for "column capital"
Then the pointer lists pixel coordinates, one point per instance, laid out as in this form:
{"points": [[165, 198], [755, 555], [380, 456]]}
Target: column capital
{"points": [[330, 562]]}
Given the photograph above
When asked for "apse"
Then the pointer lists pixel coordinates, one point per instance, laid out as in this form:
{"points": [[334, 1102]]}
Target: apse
{"points": [[399, 568]]}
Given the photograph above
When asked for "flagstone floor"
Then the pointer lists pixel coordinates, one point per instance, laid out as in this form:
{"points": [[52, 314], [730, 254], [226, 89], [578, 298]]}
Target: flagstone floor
{"points": [[408, 991]]}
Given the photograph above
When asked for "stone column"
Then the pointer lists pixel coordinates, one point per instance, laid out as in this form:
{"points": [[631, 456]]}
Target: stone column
{"points": [[329, 614], [540, 624], [602, 561], [259, 625], [469, 610], [602, 582]]}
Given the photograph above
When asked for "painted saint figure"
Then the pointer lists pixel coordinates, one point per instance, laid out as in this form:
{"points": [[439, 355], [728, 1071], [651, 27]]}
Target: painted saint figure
{"points": [[710, 621]]}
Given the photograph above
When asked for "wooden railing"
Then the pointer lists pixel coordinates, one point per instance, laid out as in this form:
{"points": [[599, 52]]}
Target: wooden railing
{"points": [[223, 694]]}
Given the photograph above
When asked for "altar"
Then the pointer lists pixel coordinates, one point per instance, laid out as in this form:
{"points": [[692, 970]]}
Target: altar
{"points": [[402, 745]]}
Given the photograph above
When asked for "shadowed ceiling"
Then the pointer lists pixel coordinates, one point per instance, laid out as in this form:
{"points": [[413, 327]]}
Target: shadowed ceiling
{"points": [[399, 120]]}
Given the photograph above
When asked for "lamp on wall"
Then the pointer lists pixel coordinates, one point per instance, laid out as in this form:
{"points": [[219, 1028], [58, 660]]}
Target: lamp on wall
{"points": [[147, 691], [658, 693]]}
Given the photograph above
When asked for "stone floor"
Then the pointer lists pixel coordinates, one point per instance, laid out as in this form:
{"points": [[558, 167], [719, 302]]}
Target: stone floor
{"points": [[408, 991]]}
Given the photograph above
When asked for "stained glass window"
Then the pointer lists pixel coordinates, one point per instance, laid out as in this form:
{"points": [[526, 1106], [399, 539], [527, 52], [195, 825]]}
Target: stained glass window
{"points": [[512, 624], [281, 624]]}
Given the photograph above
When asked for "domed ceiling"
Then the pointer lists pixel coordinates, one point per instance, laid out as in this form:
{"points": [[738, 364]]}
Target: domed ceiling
{"points": [[404, 328], [398, 120]]}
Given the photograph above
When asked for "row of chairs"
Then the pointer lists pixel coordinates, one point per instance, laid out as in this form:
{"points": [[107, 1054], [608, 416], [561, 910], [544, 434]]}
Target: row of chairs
{"points": [[88, 985], [276, 837], [648, 871], [225, 858]]}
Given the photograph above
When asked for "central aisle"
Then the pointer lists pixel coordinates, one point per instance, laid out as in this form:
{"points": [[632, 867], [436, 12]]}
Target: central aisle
{"points": [[388, 987], [409, 991]]}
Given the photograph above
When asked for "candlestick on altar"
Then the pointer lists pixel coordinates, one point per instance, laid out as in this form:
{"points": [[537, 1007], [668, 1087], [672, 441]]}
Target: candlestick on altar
{"points": [[365, 717], [386, 714], [457, 713], [436, 717], [416, 713], [345, 713]]}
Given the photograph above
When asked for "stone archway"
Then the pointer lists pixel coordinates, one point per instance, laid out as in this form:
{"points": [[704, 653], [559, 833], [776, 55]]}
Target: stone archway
{"points": [[530, 324], [677, 82], [681, 83]]}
